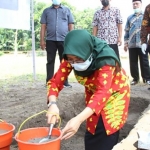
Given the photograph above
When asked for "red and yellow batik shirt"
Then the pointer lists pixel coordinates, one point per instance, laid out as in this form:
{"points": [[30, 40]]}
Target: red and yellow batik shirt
{"points": [[107, 93]]}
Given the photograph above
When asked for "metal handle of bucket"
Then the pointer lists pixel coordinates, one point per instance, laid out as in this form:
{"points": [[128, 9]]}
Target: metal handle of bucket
{"points": [[36, 115]]}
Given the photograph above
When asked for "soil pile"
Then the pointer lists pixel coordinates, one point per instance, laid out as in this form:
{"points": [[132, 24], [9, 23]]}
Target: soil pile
{"points": [[20, 101]]}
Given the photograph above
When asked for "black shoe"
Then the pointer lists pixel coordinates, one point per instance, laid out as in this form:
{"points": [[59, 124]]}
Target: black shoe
{"points": [[146, 81], [67, 85], [134, 82]]}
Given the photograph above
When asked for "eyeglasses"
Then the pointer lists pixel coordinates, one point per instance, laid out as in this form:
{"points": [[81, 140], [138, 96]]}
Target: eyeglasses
{"points": [[75, 61]]}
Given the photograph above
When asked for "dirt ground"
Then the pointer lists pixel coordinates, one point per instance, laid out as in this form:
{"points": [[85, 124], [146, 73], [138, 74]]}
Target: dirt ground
{"points": [[22, 100]]}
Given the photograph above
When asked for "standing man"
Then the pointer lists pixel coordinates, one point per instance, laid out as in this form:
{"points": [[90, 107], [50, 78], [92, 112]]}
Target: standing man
{"points": [[56, 22], [133, 43], [145, 32], [107, 25]]}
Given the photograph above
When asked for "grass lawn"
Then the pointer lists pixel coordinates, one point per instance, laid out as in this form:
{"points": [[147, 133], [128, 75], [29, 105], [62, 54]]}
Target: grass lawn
{"points": [[14, 68], [20, 67]]}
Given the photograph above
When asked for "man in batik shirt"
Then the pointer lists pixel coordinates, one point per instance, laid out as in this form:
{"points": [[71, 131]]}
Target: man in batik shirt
{"points": [[107, 25], [132, 43], [145, 31]]}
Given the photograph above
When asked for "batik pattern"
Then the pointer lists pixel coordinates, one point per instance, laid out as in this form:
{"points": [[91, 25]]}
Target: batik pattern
{"points": [[107, 21], [107, 93], [145, 28]]}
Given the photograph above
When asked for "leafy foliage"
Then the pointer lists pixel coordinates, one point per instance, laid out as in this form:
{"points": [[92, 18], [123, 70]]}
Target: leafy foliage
{"points": [[83, 20]]}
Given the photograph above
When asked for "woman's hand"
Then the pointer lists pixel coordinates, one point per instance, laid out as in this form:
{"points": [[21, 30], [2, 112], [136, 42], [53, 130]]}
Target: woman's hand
{"points": [[53, 114], [71, 128], [73, 125]]}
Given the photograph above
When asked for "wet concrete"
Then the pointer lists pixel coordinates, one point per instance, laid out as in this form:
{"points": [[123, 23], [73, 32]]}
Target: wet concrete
{"points": [[3, 131], [37, 140]]}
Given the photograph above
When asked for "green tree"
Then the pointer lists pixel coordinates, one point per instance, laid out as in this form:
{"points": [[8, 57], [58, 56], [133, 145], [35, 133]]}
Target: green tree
{"points": [[23, 38], [84, 19]]}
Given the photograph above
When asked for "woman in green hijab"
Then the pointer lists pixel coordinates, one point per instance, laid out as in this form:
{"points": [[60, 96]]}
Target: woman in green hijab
{"points": [[107, 92]]}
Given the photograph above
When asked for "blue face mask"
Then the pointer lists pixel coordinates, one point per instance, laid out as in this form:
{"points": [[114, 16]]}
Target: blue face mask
{"points": [[56, 2], [137, 10]]}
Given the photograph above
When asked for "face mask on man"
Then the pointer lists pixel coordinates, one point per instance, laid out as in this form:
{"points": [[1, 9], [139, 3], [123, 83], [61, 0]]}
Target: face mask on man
{"points": [[56, 2], [83, 66], [137, 10], [105, 3]]}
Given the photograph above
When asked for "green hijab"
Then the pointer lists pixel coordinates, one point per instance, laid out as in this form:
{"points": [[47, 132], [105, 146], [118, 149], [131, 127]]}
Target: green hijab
{"points": [[82, 44]]}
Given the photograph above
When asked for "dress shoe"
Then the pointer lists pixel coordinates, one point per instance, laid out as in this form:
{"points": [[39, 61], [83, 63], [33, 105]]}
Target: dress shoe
{"points": [[134, 82]]}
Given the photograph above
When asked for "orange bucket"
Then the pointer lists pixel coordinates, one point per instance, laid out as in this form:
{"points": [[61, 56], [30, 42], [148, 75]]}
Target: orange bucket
{"points": [[25, 135], [6, 137]]}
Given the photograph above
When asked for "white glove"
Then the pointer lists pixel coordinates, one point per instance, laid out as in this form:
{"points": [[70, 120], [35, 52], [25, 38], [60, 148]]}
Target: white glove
{"points": [[143, 48]]}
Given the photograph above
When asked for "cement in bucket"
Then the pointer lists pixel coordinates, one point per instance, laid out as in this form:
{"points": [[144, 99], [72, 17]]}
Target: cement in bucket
{"points": [[6, 137], [24, 136]]}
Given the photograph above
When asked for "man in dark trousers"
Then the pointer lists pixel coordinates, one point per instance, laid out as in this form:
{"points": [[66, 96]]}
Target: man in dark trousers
{"points": [[56, 21], [145, 32], [133, 43]]}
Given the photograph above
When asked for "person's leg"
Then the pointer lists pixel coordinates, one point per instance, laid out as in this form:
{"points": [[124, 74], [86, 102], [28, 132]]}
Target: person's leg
{"points": [[144, 64], [60, 46], [115, 48], [100, 140], [148, 51], [51, 49], [133, 61]]}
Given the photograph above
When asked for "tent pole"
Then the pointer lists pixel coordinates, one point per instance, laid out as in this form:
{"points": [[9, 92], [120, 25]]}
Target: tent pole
{"points": [[33, 39]]}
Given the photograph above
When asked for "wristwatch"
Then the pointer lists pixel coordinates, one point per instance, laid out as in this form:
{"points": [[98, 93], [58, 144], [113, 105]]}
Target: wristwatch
{"points": [[50, 103]]}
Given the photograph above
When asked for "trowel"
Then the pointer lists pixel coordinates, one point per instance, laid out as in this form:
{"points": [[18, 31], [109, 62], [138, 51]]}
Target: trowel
{"points": [[53, 120], [49, 134]]}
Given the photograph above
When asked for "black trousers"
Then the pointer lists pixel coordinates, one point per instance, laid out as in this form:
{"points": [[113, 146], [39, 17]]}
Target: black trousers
{"points": [[134, 55], [100, 141], [148, 49], [51, 49], [115, 48]]}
